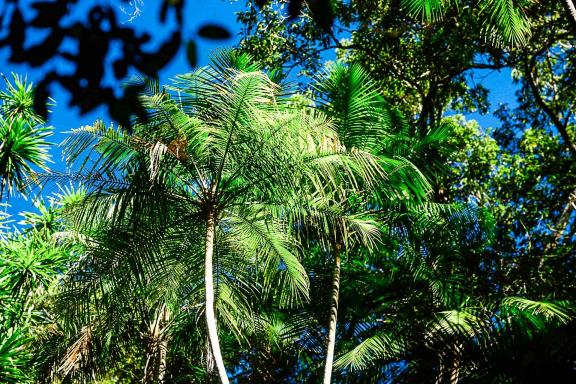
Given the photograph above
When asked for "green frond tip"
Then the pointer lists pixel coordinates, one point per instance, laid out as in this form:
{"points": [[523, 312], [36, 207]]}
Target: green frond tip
{"points": [[14, 357], [505, 23], [428, 10], [549, 311], [23, 146], [17, 100], [363, 356], [352, 99]]}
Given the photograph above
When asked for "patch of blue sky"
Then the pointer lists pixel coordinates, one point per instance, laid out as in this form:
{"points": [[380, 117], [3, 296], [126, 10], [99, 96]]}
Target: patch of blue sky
{"points": [[63, 118], [502, 90]]}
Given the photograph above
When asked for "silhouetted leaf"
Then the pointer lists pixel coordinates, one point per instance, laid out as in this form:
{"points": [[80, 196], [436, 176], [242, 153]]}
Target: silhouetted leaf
{"points": [[164, 11], [42, 52], [120, 69], [214, 32], [191, 54], [48, 14], [41, 96], [323, 13], [17, 36], [294, 8]]}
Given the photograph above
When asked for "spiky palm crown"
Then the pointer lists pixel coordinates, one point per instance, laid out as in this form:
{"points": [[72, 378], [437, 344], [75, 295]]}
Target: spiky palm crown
{"points": [[23, 137]]}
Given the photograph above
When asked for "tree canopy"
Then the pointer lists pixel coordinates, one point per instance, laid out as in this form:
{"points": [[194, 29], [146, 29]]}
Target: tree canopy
{"points": [[325, 202]]}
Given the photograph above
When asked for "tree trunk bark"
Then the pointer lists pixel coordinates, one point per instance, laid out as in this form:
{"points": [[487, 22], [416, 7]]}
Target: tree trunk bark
{"points": [[162, 361], [572, 9], [163, 346], [333, 319], [209, 286], [455, 370]]}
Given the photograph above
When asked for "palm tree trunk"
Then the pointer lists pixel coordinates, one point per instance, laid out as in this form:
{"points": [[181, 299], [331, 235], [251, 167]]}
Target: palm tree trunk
{"points": [[163, 347], [162, 361], [572, 9], [333, 319], [209, 285], [454, 372]]}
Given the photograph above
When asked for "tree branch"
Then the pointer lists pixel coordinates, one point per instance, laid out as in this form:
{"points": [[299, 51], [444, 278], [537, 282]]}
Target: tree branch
{"points": [[529, 68]]}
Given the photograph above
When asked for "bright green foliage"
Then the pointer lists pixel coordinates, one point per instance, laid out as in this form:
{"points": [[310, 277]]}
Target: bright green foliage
{"points": [[23, 146], [506, 21], [28, 262], [517, 185], [454, 241], [23, 137], [522, 173], [232, 149], [14, 358], [428, 316], [18, 100], [30, 266], [420, 60]]}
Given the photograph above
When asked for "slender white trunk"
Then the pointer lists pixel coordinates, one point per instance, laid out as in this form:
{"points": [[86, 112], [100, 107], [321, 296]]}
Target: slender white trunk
{"points": [[333, 319], [209, 285], [572, 9]]}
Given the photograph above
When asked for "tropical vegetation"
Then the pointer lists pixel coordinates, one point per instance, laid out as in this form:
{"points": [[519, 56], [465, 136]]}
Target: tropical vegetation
{"points": [[353, 226]]}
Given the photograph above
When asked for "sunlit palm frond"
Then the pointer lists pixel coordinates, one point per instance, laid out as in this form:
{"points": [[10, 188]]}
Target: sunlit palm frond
{"points": [[351, 98], [18, 100], [23, 146], [369, 350], [532, 309], [506, 23]]}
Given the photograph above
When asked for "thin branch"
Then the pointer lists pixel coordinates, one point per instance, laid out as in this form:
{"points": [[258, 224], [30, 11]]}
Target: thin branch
{"points": [[529, 67]]}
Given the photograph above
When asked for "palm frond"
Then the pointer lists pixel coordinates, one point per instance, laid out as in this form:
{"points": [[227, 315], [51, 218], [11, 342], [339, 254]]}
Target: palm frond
{"points": [[369, 350]]}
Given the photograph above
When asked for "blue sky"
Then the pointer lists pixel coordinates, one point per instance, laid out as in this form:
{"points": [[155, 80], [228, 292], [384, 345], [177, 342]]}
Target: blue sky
{"points": [[63, 118], [197, 13]]}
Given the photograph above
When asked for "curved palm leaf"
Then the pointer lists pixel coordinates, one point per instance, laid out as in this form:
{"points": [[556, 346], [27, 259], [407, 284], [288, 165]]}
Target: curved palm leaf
{"points": [[506, 20]]}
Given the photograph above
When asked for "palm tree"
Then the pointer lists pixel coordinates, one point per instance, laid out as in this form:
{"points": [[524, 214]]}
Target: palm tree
{"points": [[227, 158], [431, 324], [23, 136], [364, 122], [25, 261]]}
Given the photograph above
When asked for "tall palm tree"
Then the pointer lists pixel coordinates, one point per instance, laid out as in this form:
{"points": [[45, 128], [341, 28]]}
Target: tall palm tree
{"points": [[24, 260], [364, 122], [228, 157]]}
